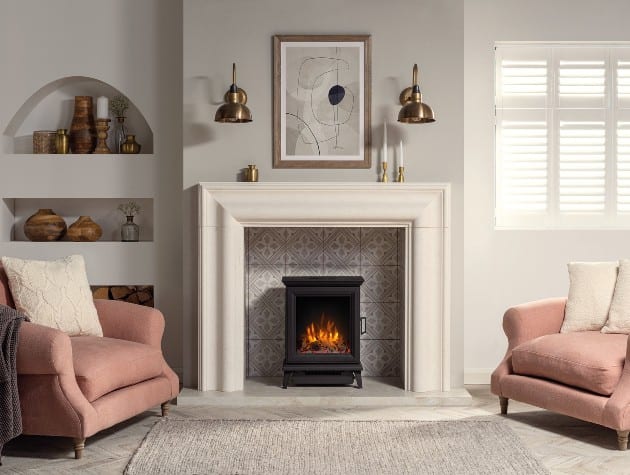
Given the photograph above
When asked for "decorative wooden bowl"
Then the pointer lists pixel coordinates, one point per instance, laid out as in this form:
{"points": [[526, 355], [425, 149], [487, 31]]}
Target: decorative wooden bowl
{"points": [[84, 229], [45, 225]]}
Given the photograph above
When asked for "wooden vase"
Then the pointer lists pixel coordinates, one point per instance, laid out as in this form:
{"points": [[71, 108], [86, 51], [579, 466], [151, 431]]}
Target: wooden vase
{"points": [[83, 128], [84, 229], [45, 225]]}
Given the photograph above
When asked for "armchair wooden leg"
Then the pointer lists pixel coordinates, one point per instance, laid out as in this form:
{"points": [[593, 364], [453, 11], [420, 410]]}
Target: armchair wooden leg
{"points": [[166, 406], [503, 401], [622, 439], [79, 445]]}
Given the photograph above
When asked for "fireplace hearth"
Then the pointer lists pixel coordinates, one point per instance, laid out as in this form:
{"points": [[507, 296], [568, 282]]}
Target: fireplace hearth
{"points": [[322, 330]]}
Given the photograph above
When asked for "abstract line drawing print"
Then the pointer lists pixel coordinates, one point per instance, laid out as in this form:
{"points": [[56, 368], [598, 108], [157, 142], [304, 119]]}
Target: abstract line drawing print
{"points": [[322, 101]]}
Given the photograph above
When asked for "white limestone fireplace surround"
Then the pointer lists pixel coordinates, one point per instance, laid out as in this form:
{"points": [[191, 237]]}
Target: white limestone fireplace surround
{"points": [[422, 210]]}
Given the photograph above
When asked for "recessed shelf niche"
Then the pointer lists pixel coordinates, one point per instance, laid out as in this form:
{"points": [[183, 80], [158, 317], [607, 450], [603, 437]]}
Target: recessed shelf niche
{"points": [[102, 210], [52, 107]]}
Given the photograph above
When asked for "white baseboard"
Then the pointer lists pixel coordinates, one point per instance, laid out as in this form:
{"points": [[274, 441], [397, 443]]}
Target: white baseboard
{"points": [[477, 375]]}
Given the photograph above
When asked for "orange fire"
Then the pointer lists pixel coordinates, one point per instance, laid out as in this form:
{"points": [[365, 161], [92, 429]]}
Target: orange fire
{"points": [[323, 338]]}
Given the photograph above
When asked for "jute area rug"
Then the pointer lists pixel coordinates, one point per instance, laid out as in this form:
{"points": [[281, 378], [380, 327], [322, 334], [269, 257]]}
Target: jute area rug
{"points": [[331, 447]]}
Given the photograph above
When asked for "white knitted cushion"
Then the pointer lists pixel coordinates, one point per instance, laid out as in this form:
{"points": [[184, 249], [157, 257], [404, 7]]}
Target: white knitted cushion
{"points": [[590, 293], [54, 293], [619, 315]]}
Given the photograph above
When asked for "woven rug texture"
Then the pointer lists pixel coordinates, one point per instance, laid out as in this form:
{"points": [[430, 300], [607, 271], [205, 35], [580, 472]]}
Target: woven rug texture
{"points": [[186, 446]]}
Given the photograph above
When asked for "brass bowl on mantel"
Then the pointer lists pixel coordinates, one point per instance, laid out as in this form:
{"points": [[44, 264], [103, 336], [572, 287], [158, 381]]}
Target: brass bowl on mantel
{"points": [[45, 225], [84, 230]]}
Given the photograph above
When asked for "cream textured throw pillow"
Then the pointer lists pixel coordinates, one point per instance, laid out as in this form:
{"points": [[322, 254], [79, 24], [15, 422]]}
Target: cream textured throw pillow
{"points": [[54, 294], [619, 315], [590, 292]]}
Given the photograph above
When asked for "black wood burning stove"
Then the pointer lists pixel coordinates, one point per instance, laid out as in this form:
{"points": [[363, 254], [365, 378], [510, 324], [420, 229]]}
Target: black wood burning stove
{"points": [[322, 331]]}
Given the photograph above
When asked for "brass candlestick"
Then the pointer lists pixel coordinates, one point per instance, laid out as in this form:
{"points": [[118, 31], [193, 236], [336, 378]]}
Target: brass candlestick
{"points": [[384, 178], [401, 175], [102, 126]]}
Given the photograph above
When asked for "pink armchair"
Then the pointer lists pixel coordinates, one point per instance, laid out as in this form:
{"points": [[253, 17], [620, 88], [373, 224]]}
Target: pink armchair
{"points": [[78, 386], [585, 375]]}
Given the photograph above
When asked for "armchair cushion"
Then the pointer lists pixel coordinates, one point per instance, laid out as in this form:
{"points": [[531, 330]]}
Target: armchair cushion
{"points": [[102, 364], [588, 360]]}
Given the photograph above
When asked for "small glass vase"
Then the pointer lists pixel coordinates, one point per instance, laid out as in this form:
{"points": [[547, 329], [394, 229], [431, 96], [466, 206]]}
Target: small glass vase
{"points": [[120, 134], [130, 231]]}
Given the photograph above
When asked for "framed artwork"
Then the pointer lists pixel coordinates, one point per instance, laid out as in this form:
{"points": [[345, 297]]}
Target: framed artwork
{"points": [[321, 101]]}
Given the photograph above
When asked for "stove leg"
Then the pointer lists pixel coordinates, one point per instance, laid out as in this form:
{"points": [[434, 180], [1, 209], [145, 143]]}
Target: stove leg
{"points": [[357, 376], [285, 379]]}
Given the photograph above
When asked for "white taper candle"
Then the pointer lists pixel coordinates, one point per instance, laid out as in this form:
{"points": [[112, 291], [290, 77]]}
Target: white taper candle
{"points": [[385, 142], [401, 163]]}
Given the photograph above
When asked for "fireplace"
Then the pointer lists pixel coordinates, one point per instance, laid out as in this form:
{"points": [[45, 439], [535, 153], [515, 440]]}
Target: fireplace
{"points": [[322, 330]]}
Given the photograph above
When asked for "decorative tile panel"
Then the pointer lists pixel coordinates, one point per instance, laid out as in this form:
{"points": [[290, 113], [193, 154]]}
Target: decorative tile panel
{"points": [[266, 245], [305, 246], [380, 357], [342, 246], [265, 357], [369, 252], [379, 246], [382, 320]]}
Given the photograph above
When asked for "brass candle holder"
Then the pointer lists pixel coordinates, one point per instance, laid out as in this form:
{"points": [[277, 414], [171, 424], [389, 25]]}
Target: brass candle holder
{"points": [[401, 175], [384, 178], [102, 126]]}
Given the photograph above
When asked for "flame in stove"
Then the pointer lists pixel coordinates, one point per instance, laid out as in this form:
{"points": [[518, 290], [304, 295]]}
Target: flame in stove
{"points": [[323, 338]]}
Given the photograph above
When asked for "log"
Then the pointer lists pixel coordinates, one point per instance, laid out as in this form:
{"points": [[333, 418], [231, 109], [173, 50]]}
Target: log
{"points": [[120, 292]]}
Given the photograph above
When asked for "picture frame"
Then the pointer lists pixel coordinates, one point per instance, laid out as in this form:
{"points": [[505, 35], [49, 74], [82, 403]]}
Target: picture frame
{"points": [[322, 101]]}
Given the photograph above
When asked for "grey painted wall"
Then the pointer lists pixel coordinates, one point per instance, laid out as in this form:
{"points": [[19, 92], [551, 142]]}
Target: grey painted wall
{"points": [[504, 268], [216, 33]]}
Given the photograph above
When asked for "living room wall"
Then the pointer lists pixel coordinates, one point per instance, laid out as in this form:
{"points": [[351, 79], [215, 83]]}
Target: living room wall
{"points": [[136, 48], [504, 268], [217, 33]]}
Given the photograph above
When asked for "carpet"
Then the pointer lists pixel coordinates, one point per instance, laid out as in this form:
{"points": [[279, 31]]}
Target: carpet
{"points": [[334, 447]]}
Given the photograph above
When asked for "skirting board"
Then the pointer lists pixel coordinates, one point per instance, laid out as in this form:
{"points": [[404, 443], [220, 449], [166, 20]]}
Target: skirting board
{"points": [[477, 375]]}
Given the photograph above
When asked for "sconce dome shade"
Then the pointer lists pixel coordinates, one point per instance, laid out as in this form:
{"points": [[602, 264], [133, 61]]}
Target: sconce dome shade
{"points": [[416, 113], [233, 112]]}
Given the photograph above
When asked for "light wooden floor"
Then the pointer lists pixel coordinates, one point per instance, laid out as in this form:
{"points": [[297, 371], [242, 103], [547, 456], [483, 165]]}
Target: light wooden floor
{"points": [[565, 445]]}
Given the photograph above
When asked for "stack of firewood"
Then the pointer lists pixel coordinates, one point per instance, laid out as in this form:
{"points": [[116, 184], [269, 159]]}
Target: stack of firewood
{"points": [[138, 294]]}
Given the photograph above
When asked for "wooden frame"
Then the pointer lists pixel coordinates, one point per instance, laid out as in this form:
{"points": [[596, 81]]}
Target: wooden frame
{"points": [[331, 126]]}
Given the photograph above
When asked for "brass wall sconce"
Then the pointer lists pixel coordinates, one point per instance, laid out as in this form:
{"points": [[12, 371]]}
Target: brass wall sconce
{"points": [[414, 111], [234, 110]]}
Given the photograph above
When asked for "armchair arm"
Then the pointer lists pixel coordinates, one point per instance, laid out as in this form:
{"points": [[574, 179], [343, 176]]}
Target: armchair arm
{"points": [[131, 322], [523, 323], [617, 410], [530, 320], [43, 350]]}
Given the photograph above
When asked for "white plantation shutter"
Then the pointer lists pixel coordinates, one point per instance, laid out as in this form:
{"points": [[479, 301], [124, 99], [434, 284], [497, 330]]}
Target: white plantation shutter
{"points": [[582, 166], [524, 165], [623, 166], [562, 135]]}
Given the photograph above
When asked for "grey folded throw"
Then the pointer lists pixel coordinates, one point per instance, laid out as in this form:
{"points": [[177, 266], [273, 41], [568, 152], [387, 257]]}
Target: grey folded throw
{"points": [[10, 414]]}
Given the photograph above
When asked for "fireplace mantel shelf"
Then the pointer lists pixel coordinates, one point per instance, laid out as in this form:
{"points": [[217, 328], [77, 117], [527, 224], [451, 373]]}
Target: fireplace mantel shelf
{"points": [[421, 209]]}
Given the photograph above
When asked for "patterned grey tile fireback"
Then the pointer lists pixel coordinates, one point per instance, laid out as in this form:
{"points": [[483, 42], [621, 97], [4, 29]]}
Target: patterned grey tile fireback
{"points": [[374, 253]]}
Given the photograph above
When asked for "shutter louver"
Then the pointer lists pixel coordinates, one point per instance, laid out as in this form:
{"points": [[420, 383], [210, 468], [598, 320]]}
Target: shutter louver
{"points": [[582, 167], [524, 78], [524, 165], [623, 167], [623, 82], [579, 79]]}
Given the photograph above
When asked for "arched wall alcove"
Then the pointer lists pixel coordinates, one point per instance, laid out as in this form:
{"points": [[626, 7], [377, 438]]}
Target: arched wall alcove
{"points": [[52, 106]]}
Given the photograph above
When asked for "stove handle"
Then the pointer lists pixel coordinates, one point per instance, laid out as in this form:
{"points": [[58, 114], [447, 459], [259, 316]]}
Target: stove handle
{"points": [[363, 325]]}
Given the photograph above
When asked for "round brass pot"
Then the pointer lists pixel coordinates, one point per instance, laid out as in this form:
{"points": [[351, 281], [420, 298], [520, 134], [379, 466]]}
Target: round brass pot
{"points": [[130, 145], [45, 225], [85, 230]]}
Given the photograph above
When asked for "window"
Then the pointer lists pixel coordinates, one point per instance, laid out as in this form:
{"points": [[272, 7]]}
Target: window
{"points": [[562, 136]]}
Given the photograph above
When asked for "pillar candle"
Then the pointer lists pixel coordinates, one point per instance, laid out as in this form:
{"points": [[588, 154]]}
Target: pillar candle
{"points": [[401, 163], [102, 106], [385, 142]]}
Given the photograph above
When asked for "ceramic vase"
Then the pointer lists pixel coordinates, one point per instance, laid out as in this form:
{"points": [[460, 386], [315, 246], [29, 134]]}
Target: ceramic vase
{"points": [[84, 229], [83, 128], [45, 225]]}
